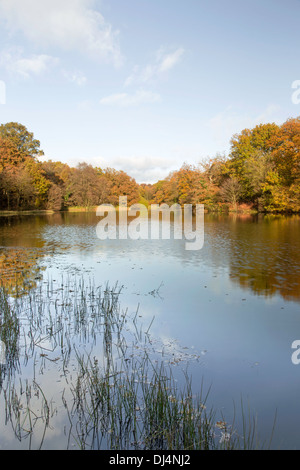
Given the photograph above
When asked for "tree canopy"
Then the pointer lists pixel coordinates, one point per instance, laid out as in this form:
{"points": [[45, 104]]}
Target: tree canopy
{"points": [[22, 140]]}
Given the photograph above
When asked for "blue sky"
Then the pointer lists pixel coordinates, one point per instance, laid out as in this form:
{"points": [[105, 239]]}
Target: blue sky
{"points": [[146, 85]]}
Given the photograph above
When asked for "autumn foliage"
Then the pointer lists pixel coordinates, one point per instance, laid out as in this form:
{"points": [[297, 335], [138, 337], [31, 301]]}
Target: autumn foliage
{"points": [[262, 172], [28, 183]]}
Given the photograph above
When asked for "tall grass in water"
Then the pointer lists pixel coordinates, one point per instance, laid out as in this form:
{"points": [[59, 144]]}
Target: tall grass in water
{"points": [[9, 331], [123, 395]]}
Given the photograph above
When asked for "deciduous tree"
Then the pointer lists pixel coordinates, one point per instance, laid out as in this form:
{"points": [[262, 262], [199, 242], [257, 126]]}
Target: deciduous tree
{"points": [[22, 139]]}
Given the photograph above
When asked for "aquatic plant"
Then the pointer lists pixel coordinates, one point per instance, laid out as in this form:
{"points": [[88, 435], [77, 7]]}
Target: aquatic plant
{"points": [[122, 392]]}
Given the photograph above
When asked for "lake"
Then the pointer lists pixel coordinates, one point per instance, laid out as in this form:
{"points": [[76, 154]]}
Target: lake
{"points": [[228, 313]]}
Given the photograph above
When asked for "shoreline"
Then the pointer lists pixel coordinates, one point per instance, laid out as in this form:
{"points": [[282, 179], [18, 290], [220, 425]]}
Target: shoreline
{"points": [[74, 209], [26, 212]]}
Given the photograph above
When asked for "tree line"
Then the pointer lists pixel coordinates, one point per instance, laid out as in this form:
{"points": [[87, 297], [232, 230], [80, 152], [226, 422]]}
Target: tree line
{"points": [[26, 182], [261, 173]]}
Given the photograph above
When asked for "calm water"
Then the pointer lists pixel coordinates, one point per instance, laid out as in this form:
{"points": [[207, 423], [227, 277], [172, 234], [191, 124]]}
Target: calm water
{"points": [[229, 312]]}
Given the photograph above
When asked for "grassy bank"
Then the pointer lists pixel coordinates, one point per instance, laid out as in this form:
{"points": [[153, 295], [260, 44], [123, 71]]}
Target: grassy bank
{"points": [[29, 212]]}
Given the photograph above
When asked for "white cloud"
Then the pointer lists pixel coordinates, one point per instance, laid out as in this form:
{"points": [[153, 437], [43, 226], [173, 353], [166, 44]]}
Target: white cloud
{"points": [[75, 77], [163, 63], [168, 61], [14, 62], [126, 99], [149, 175], [68, 25], [229, 122], [142, 163], [143, 168]]}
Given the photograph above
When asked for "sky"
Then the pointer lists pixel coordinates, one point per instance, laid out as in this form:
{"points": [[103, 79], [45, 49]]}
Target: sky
{"points": [[144, 86]]}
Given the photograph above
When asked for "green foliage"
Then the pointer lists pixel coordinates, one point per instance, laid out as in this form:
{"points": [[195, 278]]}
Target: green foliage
{"points": [[251, 149]]}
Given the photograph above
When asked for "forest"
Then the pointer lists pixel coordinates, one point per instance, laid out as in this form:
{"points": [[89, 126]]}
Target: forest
{"points": [[261, 173]]}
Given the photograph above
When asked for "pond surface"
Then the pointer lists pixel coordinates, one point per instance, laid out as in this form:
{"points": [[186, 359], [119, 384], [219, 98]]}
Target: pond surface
{"points": [[228, 312]]}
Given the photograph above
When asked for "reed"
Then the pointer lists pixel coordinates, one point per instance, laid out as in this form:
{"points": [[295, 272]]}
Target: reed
{"points": [[9, 331], [121, 395]]}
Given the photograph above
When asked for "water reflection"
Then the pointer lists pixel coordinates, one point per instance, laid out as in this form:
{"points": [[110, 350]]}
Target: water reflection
{"points": [[264, 253], [9, 338], [62, 326], [194, 296], [260, 253], [20, 269], [21, 249]]}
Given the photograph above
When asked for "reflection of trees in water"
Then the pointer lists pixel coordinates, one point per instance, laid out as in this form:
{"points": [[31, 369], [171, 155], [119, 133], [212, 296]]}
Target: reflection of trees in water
{"points": [[261, 253], [21, 248], [19, 269], [265, 254], [22, 230]]}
